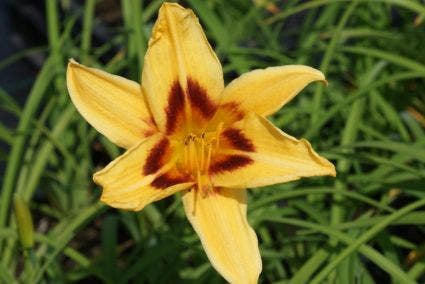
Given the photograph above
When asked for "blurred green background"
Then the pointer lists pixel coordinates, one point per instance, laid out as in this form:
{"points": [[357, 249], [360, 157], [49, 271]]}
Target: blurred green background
{"points": [[365, 226]]}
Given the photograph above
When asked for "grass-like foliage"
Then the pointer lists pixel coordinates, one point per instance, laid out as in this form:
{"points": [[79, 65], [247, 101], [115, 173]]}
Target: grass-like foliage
{"points": [[367, 225]]}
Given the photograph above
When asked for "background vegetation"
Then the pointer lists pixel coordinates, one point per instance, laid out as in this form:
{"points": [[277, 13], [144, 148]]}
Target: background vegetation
{"points": [[365, 226]]}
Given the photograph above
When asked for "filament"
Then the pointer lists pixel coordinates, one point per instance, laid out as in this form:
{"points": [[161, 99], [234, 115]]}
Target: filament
{"points": [[202, 152], [208, 158], [190, 154]]}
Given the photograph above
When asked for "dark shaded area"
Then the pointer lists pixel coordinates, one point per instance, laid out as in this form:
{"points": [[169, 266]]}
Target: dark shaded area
{"points": [[22, 27]]}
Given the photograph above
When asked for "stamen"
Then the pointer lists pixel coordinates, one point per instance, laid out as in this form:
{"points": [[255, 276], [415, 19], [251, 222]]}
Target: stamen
{"points": [[201, 166], [198, 177], [197, 155], [198, 172], [208, 159], [190, 155]]}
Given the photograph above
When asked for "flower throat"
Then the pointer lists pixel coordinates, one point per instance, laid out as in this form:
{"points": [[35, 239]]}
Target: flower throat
{"points": [[198, 151]]}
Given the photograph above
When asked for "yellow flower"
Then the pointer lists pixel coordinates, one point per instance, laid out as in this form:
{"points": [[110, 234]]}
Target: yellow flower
{"points": [[184, 132]]}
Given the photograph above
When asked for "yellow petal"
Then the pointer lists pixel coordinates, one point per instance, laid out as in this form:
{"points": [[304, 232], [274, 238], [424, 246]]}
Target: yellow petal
{"points": [[113, 105], [181, 71], [220, 221], [255, 153], [265, 91], [142, 175]]}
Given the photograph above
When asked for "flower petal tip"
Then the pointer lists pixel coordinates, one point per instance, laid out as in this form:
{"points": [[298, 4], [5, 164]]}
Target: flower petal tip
{"points": [[332, 171], [174, 10], [167, 5], [329, 168], [316, 75], [319, 76], [72, 63], [95, 178]]}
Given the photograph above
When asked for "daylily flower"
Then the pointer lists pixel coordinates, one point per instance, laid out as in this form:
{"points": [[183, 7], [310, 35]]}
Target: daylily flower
{"points": [[184, 132]]}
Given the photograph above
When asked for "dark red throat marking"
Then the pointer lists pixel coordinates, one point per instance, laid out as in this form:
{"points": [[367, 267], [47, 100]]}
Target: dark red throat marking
{"points": [[199, 99], [155, 158], [229, 163], [167, 180], [238, 140], [175, 108]]}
